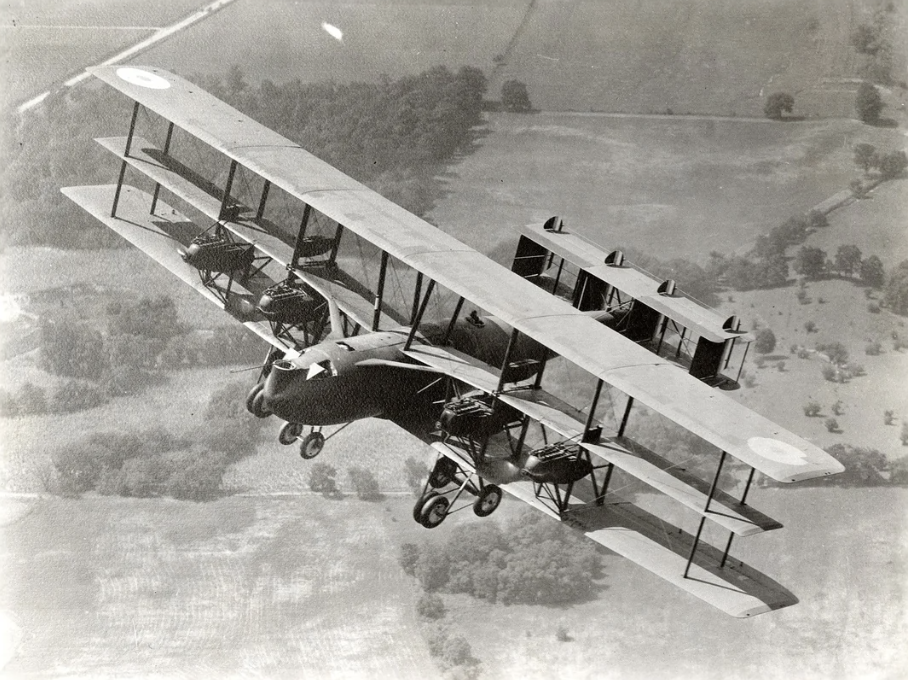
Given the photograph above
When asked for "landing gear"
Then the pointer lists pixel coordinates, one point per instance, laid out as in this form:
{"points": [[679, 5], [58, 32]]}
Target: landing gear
{"points": [[434, 512], [312, 445], [487, 501], [443, 473], [420, 504], [289, 433]]}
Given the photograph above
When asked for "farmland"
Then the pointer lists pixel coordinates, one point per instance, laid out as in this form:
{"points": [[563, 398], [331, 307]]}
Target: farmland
{"points": [[278, 582], [106, 587]]}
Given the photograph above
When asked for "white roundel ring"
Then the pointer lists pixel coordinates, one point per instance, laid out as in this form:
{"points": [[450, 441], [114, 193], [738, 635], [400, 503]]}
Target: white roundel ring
{"points": [[776, 450], [143, 78]]}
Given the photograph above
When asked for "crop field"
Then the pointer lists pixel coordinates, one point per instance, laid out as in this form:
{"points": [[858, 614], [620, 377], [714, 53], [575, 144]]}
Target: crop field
{"points": [[691, 56], [107, 588], [44, 41], [292, 586]]}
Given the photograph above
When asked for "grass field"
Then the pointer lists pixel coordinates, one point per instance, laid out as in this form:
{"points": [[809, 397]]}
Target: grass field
{"points": [[44, 41], [110, 588], [703, 56], [672, 187], [244, 586]]}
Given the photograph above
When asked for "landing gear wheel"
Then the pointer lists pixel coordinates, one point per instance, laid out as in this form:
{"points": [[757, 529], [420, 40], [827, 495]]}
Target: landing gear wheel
{"points": [[443, 473], [488, 500], [434, 512], [417, 509], [289, 433], [312, 445], [258, 405]]}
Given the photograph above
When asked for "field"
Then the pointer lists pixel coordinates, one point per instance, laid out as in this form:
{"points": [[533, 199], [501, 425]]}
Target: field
{"points": [[672, 187], [281, 583], [715, 56], [104, 587], [48, 40]]}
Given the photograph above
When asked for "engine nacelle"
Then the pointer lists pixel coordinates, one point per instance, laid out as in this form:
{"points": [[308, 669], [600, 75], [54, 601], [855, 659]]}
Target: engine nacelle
{"points": [[557, 464]]}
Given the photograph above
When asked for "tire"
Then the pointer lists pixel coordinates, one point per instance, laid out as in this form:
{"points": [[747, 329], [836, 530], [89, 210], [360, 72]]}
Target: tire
{"points": [[434, 512], [312, 445], [488, 500], [289, 433], [417, 508], [443, 473]]}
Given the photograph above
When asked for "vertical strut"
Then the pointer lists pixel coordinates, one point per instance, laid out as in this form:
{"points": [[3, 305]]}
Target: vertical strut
{"points": [[422, 310], [591, 415], [376, 311], [453, 322], [712, 489], [264, 199], [300, 236], [132, 129], [512, 343], [693, 548], [627, 415], [743, 359], [731, 535], [337, 240], [558, 277], [417, 291], [157, 185], [226, 199]]}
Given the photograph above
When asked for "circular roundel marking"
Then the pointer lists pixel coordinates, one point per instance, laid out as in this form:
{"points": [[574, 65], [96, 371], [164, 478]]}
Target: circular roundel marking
{"points": [[143, 78], [776, 450]]}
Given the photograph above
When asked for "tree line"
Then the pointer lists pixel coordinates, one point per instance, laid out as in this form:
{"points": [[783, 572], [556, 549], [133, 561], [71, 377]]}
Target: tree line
{"points": [[393, 135]]}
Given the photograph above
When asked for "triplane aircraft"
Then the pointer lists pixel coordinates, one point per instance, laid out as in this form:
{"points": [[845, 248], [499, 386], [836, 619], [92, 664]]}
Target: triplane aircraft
{"points": [[365, 308]]}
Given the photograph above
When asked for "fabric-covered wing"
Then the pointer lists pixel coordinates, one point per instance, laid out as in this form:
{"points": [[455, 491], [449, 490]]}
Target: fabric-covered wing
{"points": [[654, 382]]}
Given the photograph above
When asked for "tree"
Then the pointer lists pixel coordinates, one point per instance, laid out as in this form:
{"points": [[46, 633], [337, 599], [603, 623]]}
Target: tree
{"points": [[866, 39], [895, 295], [893, 164], [765, 341], [415, 472], [322, 479], [152, 317], [848, 259], [32, 400], [868, 103], [72, 349], [514, 97], [364, 483], [872, 272], [812, 409], [778, 102], [430, 606], [810, 262], [865, 156]]}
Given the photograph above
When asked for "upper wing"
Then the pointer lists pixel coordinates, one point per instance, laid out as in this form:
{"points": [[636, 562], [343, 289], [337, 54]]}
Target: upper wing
{"points": [[717, 419]]}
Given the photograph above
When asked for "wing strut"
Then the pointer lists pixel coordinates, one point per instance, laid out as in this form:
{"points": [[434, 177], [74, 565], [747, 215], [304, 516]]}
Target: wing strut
{"points": [[157, 185], [709, 497], [132, 129], [222, 215], [419, 314], [379, 295]]}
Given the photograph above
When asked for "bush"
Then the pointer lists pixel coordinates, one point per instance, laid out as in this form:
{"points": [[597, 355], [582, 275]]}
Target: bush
{"points": [[838, 408], [765, 341], [364, 483], [514, 97], [873, 308], [780, 367], [77, 395], [868, 103], [415, 473], [777, 103], [431, 607], [888, 417], [835, 351], [322, 479], [31, 400], [830, 373], [72, 349], [810, 327], [409, 554], [811, 409], [832, 425], [562, 635]]}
